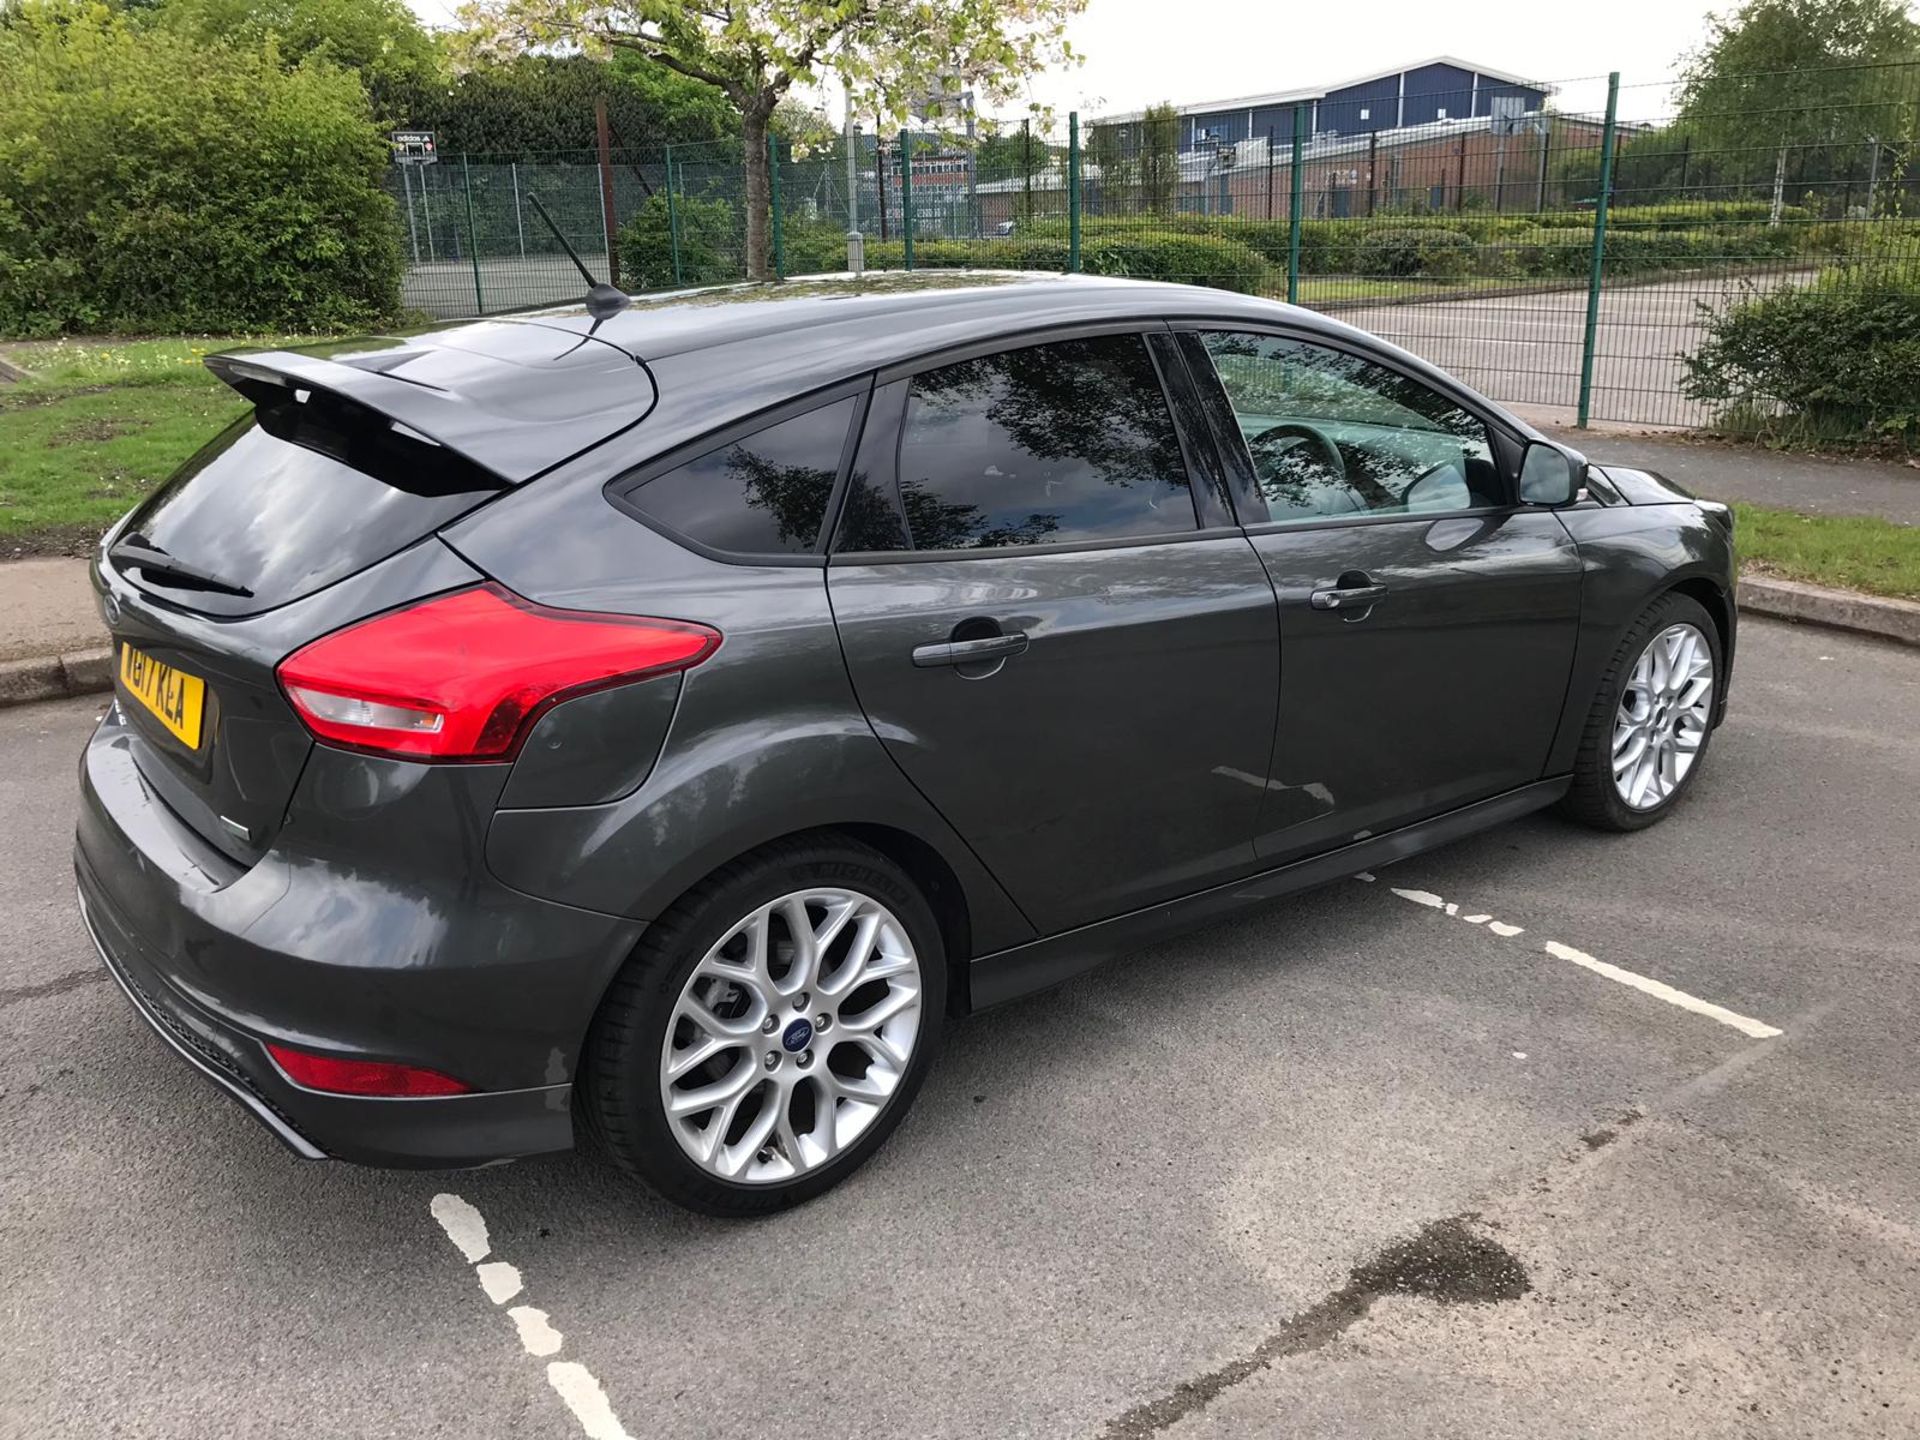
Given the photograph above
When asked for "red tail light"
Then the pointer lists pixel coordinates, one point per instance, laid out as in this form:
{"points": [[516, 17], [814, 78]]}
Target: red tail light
{"points": [[362, 1077], [463, 676]]}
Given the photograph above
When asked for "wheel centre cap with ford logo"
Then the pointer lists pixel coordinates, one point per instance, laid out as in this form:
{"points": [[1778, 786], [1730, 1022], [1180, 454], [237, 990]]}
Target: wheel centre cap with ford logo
{"points": [[797, 1035]]}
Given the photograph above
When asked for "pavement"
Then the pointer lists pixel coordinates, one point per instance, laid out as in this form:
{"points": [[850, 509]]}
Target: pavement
{"points": [[1352, 1165], [1525, 349], [49, 609], [1808, 484]]}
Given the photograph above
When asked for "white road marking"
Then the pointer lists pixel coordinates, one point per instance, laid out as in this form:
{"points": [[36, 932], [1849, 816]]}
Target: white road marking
{"points": [[1519, 1054], [464, 1226], [536, 1333], [1366, 875], [1662, 991], [500, 1280], [1659, 989], [575, 1385], [571, 1381]]}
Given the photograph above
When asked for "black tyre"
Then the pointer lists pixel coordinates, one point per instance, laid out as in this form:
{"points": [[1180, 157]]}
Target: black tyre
{"points": [[770, 1029], [1651, 721]]}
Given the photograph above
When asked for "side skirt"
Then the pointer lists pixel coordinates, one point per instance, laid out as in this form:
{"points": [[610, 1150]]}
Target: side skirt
{"points": [[1039, 964]]}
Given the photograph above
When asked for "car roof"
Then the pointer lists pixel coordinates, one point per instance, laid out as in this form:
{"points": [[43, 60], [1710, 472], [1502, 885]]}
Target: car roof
{"points": [[887, 313], [521, 393], [731, 351]]}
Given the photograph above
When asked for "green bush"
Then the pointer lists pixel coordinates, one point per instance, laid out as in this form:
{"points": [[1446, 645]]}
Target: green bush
{"points": [[1137, 253], [1567, 251], [970, 254], [814, 246], [1839, 359], [149, 183], [1405, 251], [712, 243]]}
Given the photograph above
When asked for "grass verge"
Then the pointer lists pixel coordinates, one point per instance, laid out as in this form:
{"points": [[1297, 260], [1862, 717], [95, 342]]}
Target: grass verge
{"points": [[95, 426], [1844, 552]]}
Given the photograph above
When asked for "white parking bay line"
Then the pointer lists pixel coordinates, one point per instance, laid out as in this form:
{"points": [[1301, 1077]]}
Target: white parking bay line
{"points": [[571, 1381], [1659, 989], [1662, 991]]}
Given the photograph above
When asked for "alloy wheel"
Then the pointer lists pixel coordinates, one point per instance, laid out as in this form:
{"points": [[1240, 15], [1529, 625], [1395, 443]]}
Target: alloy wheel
{"points": [[1663, 718], [791, 1035]]}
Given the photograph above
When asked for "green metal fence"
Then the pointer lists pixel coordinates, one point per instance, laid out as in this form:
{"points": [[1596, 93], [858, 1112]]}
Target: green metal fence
{"points": [[1565, 247]]}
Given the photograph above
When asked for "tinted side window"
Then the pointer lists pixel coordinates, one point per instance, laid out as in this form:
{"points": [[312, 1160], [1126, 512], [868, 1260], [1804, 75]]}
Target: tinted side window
{"points": [[1058, 442], [766, 494], [1333, 435]]}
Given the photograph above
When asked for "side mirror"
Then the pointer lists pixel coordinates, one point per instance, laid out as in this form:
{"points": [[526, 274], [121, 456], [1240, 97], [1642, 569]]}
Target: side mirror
{"points": [[1551, 474]]}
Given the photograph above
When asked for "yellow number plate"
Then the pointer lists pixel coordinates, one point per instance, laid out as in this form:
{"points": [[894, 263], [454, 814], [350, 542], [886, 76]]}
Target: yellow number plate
{"points": [[176, 697]]}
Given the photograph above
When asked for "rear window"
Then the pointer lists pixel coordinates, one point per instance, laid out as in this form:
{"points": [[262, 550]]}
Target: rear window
{"points": [[294, 498], [764, 494], [1067, 441]]}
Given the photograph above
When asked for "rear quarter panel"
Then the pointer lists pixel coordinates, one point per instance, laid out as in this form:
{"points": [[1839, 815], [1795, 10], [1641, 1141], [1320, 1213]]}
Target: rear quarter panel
{"points": [[767, 738]]}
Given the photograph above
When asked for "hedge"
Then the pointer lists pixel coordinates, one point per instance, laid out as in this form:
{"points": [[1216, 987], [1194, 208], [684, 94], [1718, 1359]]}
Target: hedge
{"points": [[149, 183], [1189, 259], [1838, 359], [712, 243]]}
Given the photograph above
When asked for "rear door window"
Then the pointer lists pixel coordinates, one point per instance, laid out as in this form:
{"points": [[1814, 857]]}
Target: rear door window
{"points": [[294, 498], [1062, 442], [764, 494]]}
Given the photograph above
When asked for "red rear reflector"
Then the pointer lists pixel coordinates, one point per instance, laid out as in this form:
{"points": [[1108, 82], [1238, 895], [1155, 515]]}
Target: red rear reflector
{"points": [[464, 676], [362, 1077]]}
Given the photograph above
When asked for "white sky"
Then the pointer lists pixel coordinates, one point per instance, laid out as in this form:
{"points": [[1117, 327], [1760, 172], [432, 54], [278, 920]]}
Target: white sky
{"points": [[1140, 52]]}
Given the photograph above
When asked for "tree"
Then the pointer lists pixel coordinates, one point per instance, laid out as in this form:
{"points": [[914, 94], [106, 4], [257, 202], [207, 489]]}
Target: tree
{"points": [[891, 52], [1012, 154], [1159, 163], [1803, 79], [379, 40], [151, 183], [546, 102]]}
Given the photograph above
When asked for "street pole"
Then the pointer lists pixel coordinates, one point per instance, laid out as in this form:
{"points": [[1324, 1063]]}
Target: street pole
{"points": [[473, 238], [413, 233], [1599, 250], [518, 227], [1026, 163], [973, 171], [853, 167], [1073, 191], [607, 224], [673, 218], [906, 196], [1296, 192], [426, 214], [1269, 172]]}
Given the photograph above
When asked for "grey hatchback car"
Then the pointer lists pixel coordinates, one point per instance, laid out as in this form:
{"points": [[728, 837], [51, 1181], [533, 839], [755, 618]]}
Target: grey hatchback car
{"points": [[662, 719]]}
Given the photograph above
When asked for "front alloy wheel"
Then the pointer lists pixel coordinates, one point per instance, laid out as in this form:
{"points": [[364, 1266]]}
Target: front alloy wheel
{"points": [[1650, 719], [1665, 712], [791, 1035]]}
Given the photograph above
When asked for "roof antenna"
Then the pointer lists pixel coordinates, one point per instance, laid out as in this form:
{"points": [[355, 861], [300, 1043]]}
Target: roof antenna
{"points": [[602, 300]]}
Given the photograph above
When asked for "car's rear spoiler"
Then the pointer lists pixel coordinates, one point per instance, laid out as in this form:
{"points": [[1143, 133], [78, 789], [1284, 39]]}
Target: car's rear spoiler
{"points": [[515, 399]]}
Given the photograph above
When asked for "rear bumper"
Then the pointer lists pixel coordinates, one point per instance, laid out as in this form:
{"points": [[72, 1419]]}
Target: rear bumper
{"points": [[485, 984]]}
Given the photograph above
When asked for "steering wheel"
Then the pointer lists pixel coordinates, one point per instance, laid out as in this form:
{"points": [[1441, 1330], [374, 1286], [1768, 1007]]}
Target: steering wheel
{"points": [[1285, 456]]}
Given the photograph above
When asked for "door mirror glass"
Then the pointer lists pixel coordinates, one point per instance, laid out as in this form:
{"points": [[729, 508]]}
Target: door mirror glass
{"points": [[1550, 474]]}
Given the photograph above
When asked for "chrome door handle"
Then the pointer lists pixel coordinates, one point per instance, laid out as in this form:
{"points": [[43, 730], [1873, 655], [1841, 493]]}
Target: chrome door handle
{"points": [[1352, 597], [970, 652]]}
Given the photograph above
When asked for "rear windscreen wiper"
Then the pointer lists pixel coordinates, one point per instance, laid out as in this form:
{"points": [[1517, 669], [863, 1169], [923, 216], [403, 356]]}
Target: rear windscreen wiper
{"points": [[134, 550]]}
